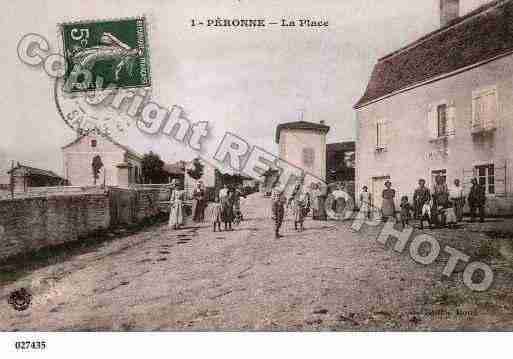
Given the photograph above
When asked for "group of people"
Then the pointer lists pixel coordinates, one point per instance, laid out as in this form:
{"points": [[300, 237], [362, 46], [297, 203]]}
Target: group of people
{"points": [[176, 204], [300, 203], [225, 210], [439, 207]]}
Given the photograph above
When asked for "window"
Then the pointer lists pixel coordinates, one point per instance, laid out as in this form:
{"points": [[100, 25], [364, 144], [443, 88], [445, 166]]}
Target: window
{"points": [[484, 109], [381, 135], [308, 157], [486, 177], [441, 119], [93, 143]]}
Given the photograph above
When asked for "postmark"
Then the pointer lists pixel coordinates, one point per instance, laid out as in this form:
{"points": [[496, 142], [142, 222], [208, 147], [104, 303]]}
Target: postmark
{"points": [[20, 299], [106, 52]]}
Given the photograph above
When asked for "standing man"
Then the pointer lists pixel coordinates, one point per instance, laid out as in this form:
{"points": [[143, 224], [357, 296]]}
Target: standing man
{"points": [[279, 202], [458, 198], [477, 200], [440, 195], [420, 197]]}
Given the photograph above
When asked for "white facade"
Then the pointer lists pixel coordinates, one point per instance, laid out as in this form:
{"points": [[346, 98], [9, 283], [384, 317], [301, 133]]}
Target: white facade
{"points": [[460, 126], [78, 157], [305, 149]]}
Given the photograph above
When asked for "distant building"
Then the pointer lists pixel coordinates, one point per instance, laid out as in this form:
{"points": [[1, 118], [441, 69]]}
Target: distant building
{"points": [[442, 105], [25, 177], [340, 162], [303, 144], [121, 165], [175, 171]]}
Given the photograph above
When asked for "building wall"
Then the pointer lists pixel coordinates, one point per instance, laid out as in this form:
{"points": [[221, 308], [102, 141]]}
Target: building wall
{"points": [[292, 143], [31, 223], [411, 155], [79, 156]]}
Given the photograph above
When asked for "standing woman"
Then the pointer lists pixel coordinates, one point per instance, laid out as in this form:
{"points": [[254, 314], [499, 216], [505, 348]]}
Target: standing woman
{"points": [[198, 198], [226, 199], [176, 217], [388, 206], [365, 202]]}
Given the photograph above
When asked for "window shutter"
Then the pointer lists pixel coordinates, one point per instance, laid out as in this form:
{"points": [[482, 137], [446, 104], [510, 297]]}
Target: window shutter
{"points": [[385, 132], [451, 119], [432, 122], [500, 180], [476, 112], [489, 110]]}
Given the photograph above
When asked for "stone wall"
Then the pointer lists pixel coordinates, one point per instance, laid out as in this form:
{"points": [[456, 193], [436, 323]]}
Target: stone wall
{"points": [[129, 206], [28, 224]]}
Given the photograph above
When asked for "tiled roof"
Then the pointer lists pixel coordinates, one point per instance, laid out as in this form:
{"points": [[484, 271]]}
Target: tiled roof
{"points": [[300, 125], [481, 35], [126, 148]]}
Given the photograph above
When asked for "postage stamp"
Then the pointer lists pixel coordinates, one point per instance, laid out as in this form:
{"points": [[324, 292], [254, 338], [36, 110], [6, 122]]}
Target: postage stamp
{"points": [[101, 53]]}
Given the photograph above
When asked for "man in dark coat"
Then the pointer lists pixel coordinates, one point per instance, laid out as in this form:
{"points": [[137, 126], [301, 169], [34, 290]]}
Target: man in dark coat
{"points": [[279, 202], [477, 200], [420, 197]]}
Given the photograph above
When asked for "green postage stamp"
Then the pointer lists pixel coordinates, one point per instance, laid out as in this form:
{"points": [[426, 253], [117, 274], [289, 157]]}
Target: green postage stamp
{"points": [[106, 53]]}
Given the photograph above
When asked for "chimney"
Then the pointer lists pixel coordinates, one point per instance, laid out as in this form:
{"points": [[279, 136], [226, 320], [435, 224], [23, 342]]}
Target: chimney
{"points": [[449, 11]]}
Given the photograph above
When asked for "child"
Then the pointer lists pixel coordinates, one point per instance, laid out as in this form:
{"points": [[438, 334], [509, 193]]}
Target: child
{"points": [[405, 210], [425, 215], [216, 214]]}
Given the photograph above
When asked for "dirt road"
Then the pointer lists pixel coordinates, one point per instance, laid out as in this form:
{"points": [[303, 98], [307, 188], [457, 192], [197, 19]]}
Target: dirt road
{"points": [[326, 278]]}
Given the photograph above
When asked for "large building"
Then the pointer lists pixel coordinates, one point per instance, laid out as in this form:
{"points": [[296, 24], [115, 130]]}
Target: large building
{"points": [[121, 166], [443, 105], [303, 144]]}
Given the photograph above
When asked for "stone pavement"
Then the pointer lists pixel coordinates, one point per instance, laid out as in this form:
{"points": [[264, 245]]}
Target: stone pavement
{"points": [[326, 278]]}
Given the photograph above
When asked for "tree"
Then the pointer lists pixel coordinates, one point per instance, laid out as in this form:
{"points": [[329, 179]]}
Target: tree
{"points": [[197, 169], [152, 168], [96, 165]]}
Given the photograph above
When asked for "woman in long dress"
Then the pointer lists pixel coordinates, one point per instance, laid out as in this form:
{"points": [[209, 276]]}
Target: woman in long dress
{"points": [[176, 216], [388, 206], [365, 202], [226, 199], [198, 198]]}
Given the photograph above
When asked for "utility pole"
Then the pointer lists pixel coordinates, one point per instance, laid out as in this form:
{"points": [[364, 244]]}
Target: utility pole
{"points": [[11, 180]]}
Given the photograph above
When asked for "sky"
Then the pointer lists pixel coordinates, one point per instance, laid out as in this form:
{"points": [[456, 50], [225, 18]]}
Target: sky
{"points": [[245, 81]]}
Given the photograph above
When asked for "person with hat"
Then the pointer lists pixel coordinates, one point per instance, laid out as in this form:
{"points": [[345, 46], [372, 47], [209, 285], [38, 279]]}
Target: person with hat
{"points": [[421, 196], [176, 216], [278, 207], [477, 200], [440, 196]]}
